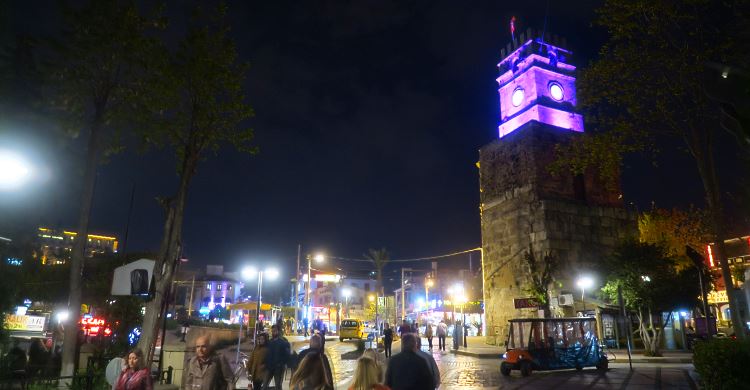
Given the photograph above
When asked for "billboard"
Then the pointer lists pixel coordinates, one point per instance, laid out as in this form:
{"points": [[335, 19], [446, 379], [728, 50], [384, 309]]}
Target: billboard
{"points": [[25, 323]]}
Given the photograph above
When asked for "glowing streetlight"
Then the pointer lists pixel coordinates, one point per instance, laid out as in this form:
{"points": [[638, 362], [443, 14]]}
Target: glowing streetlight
{"points": [[583, 283], [14, 170], [428, 282], [319, 258], [247, 274], [346, 293]]}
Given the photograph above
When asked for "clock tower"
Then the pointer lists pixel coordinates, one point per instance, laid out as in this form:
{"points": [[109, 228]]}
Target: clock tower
{"points": [[524, 208]]}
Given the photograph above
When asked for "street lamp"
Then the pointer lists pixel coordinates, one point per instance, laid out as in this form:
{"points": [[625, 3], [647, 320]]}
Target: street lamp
{"points": [[428, 282], [247, 274], [14, 170], [346, 293], [458, 295], [319, 258], [584, 282]]}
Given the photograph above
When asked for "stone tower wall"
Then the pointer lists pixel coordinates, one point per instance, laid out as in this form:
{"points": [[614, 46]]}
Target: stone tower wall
{"points": [[522, 205]]}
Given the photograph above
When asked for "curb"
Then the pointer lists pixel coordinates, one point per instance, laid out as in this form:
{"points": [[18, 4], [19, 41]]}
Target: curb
{"points": [[488, 355]]}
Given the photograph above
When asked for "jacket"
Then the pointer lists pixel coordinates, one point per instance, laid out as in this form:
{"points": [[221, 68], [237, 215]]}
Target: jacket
{"points": [[215, 374], [256, 366], [442, 329], [278, 353], [409, 371], [134, 380], [432, 365], [428, 331]]}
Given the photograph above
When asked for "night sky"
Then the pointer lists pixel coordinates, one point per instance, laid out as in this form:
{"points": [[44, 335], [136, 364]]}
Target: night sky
{"points": [[369, 117]]}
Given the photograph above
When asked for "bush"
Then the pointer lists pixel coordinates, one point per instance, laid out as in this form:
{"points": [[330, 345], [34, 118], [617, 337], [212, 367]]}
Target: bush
{"points": [[722, 363]]}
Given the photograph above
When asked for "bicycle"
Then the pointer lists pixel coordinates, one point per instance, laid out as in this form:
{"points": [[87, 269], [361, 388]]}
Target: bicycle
{"points": [[608, 353], [241, 367]]}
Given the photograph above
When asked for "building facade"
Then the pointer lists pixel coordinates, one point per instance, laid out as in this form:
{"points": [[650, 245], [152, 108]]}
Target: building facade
{"points": [[526, 209], [55, 246]]}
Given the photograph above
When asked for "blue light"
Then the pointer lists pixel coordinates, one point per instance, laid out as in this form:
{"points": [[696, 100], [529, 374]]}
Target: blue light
{"points": [[204, 311], [14, 261], [134, 335]]}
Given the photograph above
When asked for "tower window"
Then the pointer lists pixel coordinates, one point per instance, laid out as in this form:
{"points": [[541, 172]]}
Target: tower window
{"points": [[517, 97], [556, 91]]}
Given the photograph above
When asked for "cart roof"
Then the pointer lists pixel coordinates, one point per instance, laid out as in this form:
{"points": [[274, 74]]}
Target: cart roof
{"points": [[565, 319]]}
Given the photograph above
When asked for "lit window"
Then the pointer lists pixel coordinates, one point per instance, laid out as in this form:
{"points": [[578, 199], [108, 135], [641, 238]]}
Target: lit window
{"points": [[517, 97], [556, 91], [208, 286], [218, 287], [229, 287]]}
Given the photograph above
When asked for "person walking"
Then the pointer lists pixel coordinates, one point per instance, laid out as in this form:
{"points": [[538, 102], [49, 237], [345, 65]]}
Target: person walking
{"points": [[276, 359], [136, 375], [256, 366], [316, 346], [387, 340], [367, 376], [428, 335], [442, 332], [38, 358], [207, 370], [310, 374], [404, 329], [407, 370]]}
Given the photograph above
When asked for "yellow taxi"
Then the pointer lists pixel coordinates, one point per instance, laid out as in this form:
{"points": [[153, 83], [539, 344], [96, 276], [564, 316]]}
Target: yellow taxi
{"points": [[351, 329]]}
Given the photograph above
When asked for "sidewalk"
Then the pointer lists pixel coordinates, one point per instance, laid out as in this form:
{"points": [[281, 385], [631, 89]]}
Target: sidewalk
{"points": [[477, 348]]}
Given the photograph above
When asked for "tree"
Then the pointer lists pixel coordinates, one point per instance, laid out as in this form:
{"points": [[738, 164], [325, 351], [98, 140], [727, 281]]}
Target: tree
{"points": [[379, 258], [205, 110], [97, 77], [541, 276], [649, 88], [675, 230], [651, 285]]}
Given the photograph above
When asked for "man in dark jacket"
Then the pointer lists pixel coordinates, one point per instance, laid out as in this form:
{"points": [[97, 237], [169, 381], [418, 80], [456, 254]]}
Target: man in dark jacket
{"points": [[276, 359], [407, 370]]}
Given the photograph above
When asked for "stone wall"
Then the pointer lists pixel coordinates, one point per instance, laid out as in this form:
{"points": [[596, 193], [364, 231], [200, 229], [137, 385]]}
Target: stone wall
{"points": [[523, 207]]}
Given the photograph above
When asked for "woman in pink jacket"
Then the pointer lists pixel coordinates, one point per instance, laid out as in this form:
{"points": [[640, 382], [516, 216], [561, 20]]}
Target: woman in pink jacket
{"points": [[136, 375]]}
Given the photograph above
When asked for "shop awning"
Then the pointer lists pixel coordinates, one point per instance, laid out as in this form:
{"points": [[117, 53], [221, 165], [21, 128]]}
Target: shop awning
{"points": [[249, 306]]}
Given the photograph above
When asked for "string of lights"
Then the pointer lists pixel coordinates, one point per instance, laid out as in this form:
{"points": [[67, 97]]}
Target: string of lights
{"points": [[410, 260]]}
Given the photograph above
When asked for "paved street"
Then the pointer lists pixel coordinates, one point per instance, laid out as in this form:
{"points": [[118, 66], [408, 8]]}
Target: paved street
{"points": [[466, 373]]}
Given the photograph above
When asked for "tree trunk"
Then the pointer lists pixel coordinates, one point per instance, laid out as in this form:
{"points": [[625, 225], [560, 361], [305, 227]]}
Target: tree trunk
{"points": [[168, 256], [704, 158], [79, 251]]}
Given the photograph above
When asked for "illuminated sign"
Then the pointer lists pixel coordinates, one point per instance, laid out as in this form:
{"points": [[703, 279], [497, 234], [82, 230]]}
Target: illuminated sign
{"points": [[28, 323], [92, 326], [327, 278], [720, 296]]}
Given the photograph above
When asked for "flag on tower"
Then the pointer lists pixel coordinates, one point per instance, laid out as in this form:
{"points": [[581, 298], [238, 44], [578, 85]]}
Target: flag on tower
{"points": [[513, 28]]}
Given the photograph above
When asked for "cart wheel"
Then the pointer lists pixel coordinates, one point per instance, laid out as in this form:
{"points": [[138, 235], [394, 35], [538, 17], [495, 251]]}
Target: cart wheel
{"points": [[603, 365], [578, 367], [505, 368], [341, 339], [525, 367]]}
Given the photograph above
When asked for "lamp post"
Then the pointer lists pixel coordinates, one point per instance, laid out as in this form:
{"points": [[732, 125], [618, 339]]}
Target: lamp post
{"points": [[377, 328], [319, 258], [346, 293], [584, 282], [458, 295], [249, 273], [428, 282]]}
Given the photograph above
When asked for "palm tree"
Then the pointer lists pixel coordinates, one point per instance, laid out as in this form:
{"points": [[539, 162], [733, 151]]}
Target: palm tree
{"points": [[379, 258]]}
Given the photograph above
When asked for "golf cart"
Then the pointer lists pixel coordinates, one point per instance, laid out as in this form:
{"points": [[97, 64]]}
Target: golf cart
{"points": [[552, 344]]}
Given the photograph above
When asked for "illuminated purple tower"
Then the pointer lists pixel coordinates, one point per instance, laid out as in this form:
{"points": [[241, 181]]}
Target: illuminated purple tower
{"points": [[577, 218]]}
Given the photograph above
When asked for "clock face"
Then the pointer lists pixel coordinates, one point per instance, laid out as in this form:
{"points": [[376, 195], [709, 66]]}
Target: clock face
{"points": [[556, 91], [517, 97]]}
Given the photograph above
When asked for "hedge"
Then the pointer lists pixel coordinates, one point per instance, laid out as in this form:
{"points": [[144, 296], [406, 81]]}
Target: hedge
{"points": [[723, 363]]}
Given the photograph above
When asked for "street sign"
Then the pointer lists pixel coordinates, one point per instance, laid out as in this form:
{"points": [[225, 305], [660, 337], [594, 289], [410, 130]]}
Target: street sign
{"points": [[525, 303]]}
